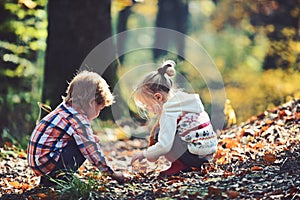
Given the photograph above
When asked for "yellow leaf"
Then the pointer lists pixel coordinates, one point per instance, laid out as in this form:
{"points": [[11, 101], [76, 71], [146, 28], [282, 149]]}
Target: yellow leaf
{"points": [[222, 160], [28, 3], [15, 184]]}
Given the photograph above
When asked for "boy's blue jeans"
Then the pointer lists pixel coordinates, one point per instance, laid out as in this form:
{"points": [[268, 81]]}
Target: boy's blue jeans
{"points": [[69, 162]]}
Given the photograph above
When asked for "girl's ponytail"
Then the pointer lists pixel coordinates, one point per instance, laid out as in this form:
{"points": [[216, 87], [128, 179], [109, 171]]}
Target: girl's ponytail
{"points": [[168, 67]]}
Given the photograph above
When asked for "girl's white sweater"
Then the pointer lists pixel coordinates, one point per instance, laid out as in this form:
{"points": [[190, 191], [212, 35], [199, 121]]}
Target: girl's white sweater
{"points": [[178, 104]]}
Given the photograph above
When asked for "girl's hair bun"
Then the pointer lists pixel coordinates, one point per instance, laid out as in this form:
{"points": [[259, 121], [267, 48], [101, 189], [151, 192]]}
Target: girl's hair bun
{"points": [[168, 67]]}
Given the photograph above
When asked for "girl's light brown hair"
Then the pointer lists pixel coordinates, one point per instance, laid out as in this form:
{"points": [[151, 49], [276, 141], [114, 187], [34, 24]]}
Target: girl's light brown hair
{"points": [[87, 86], [156, 81]]}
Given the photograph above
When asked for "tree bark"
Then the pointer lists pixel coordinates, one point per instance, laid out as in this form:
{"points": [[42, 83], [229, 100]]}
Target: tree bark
{"points": [[172, 14], [75, 28]]}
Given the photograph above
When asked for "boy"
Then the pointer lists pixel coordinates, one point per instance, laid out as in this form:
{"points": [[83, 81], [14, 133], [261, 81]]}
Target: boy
{"points": [[64, 138]]}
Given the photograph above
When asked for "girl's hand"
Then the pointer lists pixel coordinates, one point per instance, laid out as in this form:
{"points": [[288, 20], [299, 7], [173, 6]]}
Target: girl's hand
{"points": [[139, 156]]}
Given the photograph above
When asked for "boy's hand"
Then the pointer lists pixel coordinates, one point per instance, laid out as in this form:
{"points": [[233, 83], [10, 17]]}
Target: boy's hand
{"points": [[139, 156], [120, 178]]}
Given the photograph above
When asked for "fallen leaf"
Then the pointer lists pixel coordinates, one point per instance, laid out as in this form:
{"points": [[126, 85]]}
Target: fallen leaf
{"points": [[15, 184], [232, 194], [230, 143], [26, 186], [256, 168], [269, 157], [222, 160], [214, 191], [22, 155], [42, 195]]}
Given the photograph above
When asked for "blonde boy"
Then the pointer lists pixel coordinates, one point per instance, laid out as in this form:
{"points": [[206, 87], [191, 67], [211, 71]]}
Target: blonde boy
{"points": [[64, 138]]}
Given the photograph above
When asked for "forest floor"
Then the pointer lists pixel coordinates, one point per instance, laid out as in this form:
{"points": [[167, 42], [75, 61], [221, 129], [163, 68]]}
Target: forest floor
{"points": [[259, 159]]}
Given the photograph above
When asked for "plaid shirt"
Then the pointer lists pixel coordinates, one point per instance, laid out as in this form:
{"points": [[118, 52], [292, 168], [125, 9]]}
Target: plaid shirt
{"points": [[52, 134]]}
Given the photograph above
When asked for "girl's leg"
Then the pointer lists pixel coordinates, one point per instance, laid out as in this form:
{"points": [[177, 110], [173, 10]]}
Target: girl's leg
{"points": [[192, 160], [70, 160], [181, 158]]}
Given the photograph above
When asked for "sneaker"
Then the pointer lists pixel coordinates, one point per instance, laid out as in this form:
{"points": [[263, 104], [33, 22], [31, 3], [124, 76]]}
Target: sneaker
{"points": [[175, 168]]}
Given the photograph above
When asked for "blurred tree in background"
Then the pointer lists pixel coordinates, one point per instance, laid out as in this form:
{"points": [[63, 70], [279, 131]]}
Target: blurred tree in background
{"points": [[171, 14], [278, 19], [22, 42], [75, 28], [263, 71]]}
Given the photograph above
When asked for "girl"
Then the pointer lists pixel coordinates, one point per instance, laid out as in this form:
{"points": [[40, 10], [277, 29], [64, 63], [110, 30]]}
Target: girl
{"points": [[184, 134]]}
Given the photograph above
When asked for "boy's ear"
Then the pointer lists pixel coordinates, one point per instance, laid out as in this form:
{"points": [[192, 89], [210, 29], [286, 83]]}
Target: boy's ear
{"points": [[158, 96], [91, 102]]}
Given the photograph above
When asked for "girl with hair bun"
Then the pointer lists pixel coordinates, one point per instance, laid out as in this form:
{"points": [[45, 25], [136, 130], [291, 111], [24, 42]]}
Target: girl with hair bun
{"points": [[183, 132]]}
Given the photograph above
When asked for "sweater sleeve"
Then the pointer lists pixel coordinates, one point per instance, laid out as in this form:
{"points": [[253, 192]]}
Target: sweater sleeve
{"points": [[168, 126], [90, 148]]}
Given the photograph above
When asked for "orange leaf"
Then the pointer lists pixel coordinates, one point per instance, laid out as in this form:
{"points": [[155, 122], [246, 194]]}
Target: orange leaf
{"points": [[264, 128], [269, 157], [42, 195], [269, 121], [25, 186], [22, 155], [102, 189], [256, 168], [219, 154], [227, 174], [230, 143], [232, 194], [15, 184], [252, 119], [258, 145]]}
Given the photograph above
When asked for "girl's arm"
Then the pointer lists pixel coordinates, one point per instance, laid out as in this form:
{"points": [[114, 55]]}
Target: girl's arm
{"points": [[168, 126]]}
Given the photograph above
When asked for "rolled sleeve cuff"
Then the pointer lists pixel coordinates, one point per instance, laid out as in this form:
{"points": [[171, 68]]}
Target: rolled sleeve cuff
{"points": [[106, 169]]}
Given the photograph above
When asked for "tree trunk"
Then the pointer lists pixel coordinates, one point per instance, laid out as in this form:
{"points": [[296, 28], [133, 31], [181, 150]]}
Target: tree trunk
{"points": [[172, 14], [75, 28], [284, 18]]}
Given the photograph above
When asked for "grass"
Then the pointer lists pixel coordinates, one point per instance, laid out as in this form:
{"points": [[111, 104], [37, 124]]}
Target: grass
{"points": [[78, 188]]}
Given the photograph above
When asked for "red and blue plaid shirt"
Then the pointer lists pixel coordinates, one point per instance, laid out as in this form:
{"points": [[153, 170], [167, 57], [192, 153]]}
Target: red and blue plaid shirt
{"points": [[52, 134]]}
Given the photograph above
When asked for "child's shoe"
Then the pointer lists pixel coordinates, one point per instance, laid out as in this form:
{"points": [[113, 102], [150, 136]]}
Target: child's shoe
{"points": [[175, 168]]}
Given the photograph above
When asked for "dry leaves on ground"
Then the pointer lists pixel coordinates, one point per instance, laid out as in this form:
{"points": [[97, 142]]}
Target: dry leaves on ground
{"points": [[260, 159]]}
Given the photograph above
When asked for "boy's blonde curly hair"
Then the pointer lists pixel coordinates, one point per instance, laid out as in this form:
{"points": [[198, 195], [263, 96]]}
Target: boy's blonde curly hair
{"points": [[87, 86]]}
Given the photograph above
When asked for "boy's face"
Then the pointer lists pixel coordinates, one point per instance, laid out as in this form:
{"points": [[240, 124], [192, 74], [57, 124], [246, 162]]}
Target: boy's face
{"points": [[94, 109]]}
